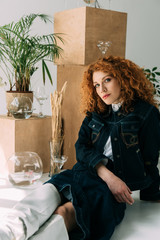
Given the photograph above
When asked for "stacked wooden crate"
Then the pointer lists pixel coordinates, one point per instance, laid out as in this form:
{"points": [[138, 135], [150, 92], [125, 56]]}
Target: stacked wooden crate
{"points": [[81, 30]]}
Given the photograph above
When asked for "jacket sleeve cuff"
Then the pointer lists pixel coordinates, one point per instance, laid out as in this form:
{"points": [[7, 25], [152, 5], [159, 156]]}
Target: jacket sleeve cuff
{"points": [[98, 158]]}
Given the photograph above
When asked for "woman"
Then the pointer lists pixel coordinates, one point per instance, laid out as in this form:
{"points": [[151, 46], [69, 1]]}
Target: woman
{"points": [[117, 152]]}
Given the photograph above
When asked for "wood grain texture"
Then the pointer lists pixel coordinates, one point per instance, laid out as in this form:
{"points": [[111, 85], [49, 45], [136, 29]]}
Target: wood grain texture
{"points": [[72, 118], [81, 29], [18, 135]]}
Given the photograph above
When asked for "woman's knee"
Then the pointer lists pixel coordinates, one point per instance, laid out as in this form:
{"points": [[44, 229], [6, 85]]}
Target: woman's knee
{"points": [[68, 213], [65, 209], [61, 210]]}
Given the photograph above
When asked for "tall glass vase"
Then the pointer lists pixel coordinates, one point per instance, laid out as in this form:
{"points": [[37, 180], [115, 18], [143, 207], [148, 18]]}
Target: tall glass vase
{"points": [[56, 159]]}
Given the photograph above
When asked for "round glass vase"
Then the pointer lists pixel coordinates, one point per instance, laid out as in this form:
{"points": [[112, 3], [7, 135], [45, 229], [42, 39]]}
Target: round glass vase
{"points": [[21, 107], [56, 159], [24, 168]]}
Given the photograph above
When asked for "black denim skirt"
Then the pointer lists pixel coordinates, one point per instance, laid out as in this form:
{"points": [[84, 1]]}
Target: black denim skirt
{"points": [[97, 211]]}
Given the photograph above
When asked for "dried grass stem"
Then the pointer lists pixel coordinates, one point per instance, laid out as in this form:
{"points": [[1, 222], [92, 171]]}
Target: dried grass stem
{"points": [[56, 107]]}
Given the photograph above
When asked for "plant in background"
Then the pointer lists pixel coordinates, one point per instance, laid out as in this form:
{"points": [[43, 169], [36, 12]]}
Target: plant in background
{"points": [[153, 76], [20, 51], [2, 84]]}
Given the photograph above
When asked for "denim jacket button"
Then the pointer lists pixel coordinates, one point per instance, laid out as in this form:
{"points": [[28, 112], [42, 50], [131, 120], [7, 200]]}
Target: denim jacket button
{"points": [[147, 163], [93, 126], [118, 156], [115, 139]]}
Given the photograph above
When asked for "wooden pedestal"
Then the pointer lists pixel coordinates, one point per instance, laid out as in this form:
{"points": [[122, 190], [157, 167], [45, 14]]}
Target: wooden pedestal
{"points": [[18, 135], [82, 28], [71, 115]]}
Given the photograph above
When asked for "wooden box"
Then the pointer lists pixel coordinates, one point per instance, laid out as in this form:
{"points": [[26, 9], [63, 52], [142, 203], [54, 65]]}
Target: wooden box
{"points": [[18, 135], [82, 28]]}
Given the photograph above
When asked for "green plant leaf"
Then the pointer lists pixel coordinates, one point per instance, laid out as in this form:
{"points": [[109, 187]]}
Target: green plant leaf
{"points": [[43, 71], [153, 75], [147, 70], [157, 73], [45, 68], [153, 69], [153, 80]]}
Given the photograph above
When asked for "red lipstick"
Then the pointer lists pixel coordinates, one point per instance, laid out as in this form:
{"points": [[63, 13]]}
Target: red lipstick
{"points": [[106, 96]]}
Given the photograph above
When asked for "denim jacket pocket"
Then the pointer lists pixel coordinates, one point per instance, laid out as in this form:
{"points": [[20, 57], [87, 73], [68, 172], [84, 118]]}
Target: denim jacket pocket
{"points": [[96, 128], [129, 133]]}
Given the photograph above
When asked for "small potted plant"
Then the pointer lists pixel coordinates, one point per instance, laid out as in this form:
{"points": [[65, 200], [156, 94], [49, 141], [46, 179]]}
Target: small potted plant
{"points": [[20, 51]]}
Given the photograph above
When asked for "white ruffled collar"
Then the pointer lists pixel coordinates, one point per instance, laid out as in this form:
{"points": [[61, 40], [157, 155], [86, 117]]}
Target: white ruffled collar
{"points": [[116, 106]]}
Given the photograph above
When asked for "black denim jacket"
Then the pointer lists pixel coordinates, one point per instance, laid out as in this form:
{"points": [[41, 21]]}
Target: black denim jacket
{"points": [[135, 138]]}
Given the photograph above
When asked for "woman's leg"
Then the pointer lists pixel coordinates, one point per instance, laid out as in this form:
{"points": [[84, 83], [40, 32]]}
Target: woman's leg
{"points": [[30, 213], [67, 211]]}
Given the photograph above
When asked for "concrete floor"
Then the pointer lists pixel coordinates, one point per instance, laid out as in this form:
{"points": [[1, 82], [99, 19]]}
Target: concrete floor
{"points": [[141, 221]]}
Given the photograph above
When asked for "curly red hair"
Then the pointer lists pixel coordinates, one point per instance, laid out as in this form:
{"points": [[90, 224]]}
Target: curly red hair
{"points": [[133, 82]]}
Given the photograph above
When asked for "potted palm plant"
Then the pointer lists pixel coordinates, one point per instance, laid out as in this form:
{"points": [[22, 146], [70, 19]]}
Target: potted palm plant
{"points": [[20, 51]]}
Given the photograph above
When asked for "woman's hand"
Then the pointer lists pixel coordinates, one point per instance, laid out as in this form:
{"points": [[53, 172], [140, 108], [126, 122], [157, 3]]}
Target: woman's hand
{"points": [[119, 189]]}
